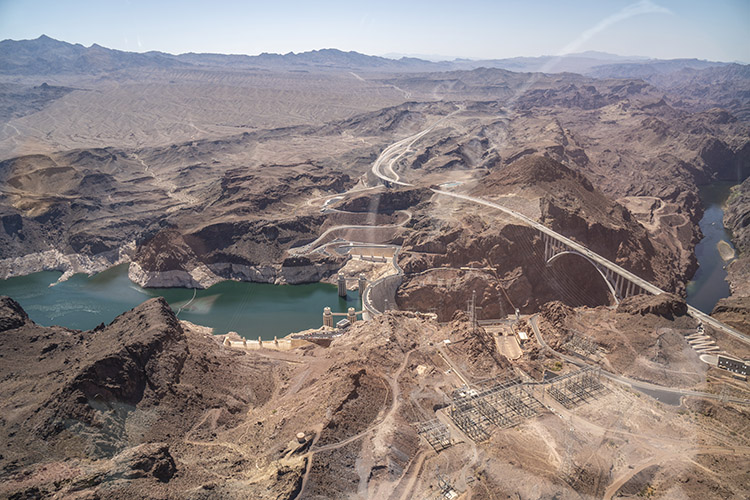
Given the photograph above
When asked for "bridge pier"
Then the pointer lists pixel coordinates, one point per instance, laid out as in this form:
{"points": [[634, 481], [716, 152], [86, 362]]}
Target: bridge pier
{"points": [[620, 286], [551, 246]]}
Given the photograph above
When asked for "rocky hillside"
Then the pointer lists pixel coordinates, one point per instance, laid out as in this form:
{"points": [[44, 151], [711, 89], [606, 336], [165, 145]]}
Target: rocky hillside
{"points": [[109, 409], [572, 206], [148, 407], [736, 309], [737, 216], [698, 84], [562, 199]]}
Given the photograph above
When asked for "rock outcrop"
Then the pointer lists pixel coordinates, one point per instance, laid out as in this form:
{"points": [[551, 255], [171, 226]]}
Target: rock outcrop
{"points": [[107, 407], [12, 314], [386, 202], [556, 313], [737, 220], [734, 311], [143, 461], [666, 305]]}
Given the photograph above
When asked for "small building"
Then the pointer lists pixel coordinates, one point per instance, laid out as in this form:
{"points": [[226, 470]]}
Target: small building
{"points": [[523, 337], [736, 366], [343, 324]]}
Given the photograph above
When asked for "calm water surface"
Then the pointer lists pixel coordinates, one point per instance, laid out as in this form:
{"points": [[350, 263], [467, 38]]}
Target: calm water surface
{"points": [[709, 283], [251, 309]]}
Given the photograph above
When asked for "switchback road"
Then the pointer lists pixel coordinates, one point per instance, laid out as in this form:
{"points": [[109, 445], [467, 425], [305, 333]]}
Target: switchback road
{"points": [[393, 152]]}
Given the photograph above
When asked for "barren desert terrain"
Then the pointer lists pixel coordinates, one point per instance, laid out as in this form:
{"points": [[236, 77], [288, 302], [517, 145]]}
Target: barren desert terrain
{"points": [[525, 238]]}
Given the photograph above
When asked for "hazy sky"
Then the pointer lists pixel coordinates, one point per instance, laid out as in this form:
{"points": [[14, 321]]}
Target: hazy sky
{"points": [[706, 29]]}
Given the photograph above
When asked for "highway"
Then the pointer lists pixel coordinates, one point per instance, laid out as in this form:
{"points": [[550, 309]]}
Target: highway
{"points": [[391, 153], [625, 380], [699, 315], [315, 245], [395, 151]]}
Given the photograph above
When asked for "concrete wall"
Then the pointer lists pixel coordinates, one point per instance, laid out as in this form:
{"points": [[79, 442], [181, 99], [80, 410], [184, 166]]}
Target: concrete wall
{"points": [[373, 251], [380, 291], [277, 345], [383, 289]]}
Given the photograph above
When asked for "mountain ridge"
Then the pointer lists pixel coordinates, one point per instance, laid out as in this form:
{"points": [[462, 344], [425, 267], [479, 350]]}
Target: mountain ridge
{"points": [[46, 55]]}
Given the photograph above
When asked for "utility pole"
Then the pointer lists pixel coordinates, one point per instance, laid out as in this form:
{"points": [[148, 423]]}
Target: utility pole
{"points": [[502, 288], [473, 310], [567, 468]]}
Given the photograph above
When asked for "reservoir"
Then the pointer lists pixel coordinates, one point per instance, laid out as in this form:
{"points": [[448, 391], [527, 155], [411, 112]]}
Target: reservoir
{"points": [[250, 309], [258, 309], [709, 283]]}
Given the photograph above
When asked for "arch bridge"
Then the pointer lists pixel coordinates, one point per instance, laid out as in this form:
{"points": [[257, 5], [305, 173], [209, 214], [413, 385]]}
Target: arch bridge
{"points": [[621, 282], [619, 285]]}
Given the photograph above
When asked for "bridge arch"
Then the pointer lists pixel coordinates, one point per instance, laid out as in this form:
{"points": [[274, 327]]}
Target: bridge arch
{"points": [[611, 288]]}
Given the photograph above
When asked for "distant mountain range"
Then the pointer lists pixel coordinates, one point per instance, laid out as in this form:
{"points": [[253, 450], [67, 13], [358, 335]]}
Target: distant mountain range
{"points": [[697, 82], [46, 55]]}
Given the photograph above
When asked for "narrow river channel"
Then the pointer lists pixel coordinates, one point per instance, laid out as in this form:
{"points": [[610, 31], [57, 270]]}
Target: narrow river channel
{"points": [[709, 283]]}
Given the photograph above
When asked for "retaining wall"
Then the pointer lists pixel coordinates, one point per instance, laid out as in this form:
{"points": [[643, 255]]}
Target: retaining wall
{"points": [[277, 345]]}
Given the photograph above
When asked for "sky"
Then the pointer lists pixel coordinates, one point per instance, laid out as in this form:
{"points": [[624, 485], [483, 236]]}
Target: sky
{"points": [[717, 30]]}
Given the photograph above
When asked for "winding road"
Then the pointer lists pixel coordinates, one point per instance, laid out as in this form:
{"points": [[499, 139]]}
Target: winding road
{"points": [[393, 152], [637, 384], [315, 245], [395, 394]]}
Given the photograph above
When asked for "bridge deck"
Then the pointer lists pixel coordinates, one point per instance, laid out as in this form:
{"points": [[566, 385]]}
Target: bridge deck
{"points": [[645, 285], [399, 148]]}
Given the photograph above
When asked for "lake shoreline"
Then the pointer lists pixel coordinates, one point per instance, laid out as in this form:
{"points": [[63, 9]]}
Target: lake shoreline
{"points": [[251, 309]]}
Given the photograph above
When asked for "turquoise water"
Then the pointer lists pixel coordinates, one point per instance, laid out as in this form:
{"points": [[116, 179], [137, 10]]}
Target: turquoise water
{"points": [[709, 283], [250, 309]]}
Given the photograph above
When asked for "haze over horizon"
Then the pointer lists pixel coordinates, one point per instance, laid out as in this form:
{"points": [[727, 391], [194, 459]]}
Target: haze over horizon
{"points": [[480, 29]]}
